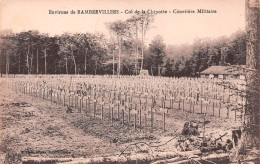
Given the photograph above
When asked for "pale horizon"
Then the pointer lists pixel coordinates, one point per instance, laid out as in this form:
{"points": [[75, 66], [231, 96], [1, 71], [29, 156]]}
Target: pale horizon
{"points": [[176, 29]]}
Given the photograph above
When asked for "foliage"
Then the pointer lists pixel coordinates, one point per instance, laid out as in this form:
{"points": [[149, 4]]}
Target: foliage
{"points": [[190, 60], [32, 52]]}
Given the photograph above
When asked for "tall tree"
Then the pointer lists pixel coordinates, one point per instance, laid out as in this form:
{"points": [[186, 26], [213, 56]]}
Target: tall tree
{"points": [[119, 28], [134, 24], [26, 40], [8, 49], [169, 67], [145, 24], [45, 42], [251, 119], [157, 50], [253, 63], [65, 50]]}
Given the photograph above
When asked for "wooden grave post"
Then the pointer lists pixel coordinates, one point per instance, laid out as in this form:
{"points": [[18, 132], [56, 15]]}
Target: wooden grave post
{"points": [[127, 108], [140, 113], [164, 111], [80, 101], [89, 103], [50, 92], [145, 123], [219, 108], [111, 105], [64, 98], [102, 108], [152, 115], [135, 112], [95, 105], [123, 112], [201, 104]]}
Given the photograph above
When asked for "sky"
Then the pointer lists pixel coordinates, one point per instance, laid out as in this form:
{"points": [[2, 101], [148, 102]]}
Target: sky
{"points": [[23, 15]]}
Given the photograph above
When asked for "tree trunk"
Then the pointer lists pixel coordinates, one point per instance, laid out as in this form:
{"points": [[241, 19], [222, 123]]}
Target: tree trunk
{"points": [[250, 122], [159, 74], [119, 55], [253, 63], [27, 61], [137, 53], [1, 62], [45, 61], [37, 55], [7, 65], [19, 63], [135, 60], [86, 51], [75, 64], [113, 62], [66, 64], [96, 68], [31, 65], [142, 61]]}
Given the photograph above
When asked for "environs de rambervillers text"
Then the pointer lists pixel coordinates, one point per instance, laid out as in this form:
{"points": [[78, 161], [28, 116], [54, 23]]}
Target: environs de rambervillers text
{"points": [[174, 11]]}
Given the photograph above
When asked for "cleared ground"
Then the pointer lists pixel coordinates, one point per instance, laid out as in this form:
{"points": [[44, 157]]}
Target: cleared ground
{"points": [[33, 127]]}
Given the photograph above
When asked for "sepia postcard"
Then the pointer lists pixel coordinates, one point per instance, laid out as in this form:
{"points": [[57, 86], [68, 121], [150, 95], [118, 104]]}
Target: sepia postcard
{"points": [[129, 81]]}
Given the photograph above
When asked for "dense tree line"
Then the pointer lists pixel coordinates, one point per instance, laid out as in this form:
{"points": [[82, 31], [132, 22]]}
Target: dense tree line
{"points": [[189, 60], [125, 52], [31, 52]]}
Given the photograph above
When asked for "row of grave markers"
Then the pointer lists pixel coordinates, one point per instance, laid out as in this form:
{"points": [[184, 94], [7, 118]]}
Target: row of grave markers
{"points": [[115, 104], [73, 94], [193, 97]]}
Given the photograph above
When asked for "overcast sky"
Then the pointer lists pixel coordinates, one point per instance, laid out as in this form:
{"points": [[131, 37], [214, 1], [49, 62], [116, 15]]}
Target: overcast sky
{"points": [[22, 15]]}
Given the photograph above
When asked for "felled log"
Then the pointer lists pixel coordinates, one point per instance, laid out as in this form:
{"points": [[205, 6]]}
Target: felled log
{"points": [[140, 158], [214, 158]]}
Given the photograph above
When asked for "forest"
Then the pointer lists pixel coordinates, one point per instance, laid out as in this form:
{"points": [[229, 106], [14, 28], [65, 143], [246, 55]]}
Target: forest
{"points": [[122, 52]]}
